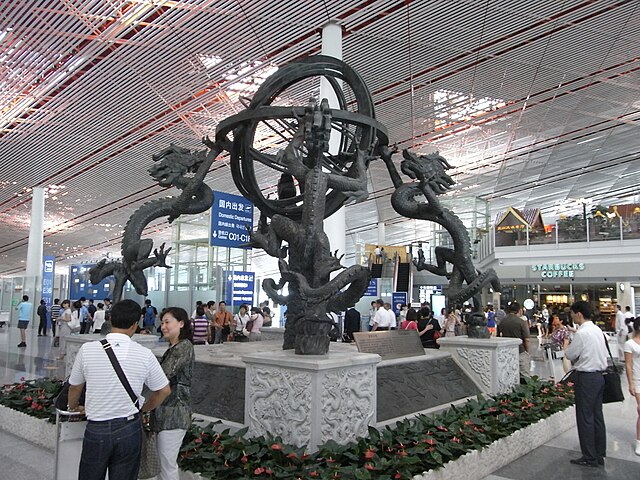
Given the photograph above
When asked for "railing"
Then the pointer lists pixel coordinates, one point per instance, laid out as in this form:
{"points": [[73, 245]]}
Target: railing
{"points": [[562, 232]]}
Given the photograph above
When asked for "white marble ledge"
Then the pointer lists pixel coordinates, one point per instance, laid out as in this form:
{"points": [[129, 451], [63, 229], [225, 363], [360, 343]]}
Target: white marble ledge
{"points": [[149, 341], [430, 354], [486, 343], [288, 359]]}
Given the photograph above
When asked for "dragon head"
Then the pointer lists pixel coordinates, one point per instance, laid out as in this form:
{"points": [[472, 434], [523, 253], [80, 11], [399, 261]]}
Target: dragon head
{"points": [[429, 169], [173, 164]]}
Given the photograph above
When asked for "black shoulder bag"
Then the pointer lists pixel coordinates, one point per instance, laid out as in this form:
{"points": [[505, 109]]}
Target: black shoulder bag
{"points": [[612, 387]]}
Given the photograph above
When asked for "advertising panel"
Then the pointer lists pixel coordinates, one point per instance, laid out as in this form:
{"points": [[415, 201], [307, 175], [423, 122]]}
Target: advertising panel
{"points": [[80, 286], [397, 299]]}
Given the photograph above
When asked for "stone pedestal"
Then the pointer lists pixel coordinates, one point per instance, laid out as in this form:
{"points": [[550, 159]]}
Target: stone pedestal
{"points": [[491, 362], [308, 400], [72, 345]]}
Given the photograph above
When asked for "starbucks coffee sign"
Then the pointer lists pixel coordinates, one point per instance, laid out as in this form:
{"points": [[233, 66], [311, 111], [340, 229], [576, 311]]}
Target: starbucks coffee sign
{"points": [[557, 270]]}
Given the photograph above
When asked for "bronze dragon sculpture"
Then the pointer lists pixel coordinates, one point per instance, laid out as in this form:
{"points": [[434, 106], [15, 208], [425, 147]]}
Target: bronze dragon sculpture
{"points": [[172, 167], [465, 281]]}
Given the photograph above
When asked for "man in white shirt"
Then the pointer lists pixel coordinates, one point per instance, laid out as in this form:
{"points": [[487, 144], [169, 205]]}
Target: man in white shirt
{"points": [[112, 438], [588, 352], [376, 306], [621, 331], [385, 318]]}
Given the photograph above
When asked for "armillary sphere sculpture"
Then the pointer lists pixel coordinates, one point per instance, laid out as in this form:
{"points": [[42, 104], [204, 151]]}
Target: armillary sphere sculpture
{"points": [[315, 181]]}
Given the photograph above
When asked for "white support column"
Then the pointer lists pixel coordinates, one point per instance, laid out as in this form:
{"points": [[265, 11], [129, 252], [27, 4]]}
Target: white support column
{"points": [[34, 249], [382, 234], [334, 226]]}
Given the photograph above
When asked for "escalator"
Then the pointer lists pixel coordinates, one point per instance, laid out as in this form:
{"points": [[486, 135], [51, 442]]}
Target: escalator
{"points": [[403, 277]]}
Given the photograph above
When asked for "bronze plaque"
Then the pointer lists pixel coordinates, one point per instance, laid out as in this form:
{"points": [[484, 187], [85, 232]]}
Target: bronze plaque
{"points": [[390, 343]]}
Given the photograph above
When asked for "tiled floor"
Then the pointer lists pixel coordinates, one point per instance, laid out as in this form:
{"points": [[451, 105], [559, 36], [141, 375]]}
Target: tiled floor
{"points": [[24, 461]]}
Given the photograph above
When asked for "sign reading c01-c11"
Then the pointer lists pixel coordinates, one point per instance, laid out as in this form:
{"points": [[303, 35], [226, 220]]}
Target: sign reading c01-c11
{"points": [[231, 221], [557, 270]]}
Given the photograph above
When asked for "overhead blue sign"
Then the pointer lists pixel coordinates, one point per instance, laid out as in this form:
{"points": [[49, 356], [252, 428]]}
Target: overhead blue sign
{"points": [[372, 289], [239, 287], [80, 286], [48, 273], [231, 220], [397, 299]]}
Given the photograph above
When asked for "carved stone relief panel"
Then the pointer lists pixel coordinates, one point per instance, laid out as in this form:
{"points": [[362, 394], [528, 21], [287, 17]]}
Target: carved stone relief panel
{"points": [[279, 403], [479, 361], [347, 402], [508, 373]]}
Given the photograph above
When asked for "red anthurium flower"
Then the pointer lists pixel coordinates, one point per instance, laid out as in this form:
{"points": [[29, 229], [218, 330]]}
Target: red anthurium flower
{"points": [[369, 454], [258, 471], [276, 446]]}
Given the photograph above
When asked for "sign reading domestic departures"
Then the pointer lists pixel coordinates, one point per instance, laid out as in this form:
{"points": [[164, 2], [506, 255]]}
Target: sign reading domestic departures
{"points": [[390, 344], [231, 221]]}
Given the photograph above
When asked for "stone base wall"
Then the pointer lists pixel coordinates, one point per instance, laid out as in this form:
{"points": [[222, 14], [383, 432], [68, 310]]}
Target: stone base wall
{"points": [[31, 429]]}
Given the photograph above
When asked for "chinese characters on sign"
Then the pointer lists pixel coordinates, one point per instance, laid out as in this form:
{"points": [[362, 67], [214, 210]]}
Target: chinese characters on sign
{"points": [[372, 288], [48, 270], [231, 220], [239, 287]]}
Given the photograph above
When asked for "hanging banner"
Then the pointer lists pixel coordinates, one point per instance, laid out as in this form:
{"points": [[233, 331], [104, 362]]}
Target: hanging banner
{"points": [[48, 275], [80, 286], [231, 221], [239, 288]]}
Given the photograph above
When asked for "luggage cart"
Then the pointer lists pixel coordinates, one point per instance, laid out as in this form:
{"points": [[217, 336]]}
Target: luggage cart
{"points": [[553, 359], [70, 428]]}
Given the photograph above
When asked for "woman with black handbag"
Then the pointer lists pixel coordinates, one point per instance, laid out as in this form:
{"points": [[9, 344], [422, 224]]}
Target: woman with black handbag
{"points": [[172, 419], [632, 366]]}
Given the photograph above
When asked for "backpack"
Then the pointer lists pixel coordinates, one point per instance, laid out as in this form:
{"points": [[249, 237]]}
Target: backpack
{"points": [[149, 316]]}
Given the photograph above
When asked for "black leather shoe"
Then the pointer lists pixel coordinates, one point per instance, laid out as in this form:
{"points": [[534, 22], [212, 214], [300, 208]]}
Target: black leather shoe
{"points": [[601, 462], [584, 462]]}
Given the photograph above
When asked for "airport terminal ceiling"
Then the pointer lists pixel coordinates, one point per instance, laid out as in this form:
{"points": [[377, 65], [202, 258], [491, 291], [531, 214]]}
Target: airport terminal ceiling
{"points": [[534, 103]]}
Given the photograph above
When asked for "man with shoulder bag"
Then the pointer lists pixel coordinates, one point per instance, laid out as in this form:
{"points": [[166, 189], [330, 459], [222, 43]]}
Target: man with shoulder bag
{"points": [[114, 372], [588, 352]]}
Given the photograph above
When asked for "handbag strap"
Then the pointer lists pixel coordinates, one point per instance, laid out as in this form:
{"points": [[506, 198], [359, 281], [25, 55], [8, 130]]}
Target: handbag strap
{"points": [[116, 366], [606, 343]]}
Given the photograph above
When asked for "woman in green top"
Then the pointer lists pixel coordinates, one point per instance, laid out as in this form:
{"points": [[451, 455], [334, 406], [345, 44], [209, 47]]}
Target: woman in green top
{"points": [[172, 419]]}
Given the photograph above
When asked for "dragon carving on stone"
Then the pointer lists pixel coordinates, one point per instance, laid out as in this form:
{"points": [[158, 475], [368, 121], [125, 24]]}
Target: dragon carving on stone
{"points": [[432, 180], [172, 169]]}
